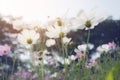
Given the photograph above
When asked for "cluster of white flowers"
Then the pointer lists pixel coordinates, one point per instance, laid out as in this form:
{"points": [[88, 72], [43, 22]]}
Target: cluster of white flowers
{"points": [[105, 48], [56, 29]]}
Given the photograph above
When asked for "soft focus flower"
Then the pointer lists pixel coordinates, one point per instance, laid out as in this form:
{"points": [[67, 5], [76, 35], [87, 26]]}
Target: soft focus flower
{"points": [[28, 37], [57, 57], [54, 75], [106, 47], [84, 47], [112, 45], [19, 24], [23, 75], [95, 55], [25, 57], [56, 28], [88, 20], [50, 42], [66, 61], [91, 63], [66, 40], [103, 48], [72, 57], [80, 54], [4, 50], [35, 25], [47, 77]]}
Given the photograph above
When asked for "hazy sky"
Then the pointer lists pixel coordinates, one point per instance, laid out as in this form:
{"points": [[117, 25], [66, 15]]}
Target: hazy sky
{"points": [[39, 9]]}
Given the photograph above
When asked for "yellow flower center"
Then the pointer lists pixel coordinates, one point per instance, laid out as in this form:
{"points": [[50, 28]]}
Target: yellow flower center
{"points": [[61, 34], [88, 24], [29, 41], [59, 22]]}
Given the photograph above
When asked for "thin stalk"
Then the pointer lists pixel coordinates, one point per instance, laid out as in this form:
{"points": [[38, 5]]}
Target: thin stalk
{"points": [[63, 52], [33, 59], [14, 59], [2, 70], [88, 38], [6, 71], [42, 66], [66, 51]]}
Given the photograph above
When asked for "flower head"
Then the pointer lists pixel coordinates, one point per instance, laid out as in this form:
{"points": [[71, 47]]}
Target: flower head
{"points": [[28, 37], [50, 42], [88, 20], [4, 50], [95, 55], [66, 40], [57, 27], [84, 47]]}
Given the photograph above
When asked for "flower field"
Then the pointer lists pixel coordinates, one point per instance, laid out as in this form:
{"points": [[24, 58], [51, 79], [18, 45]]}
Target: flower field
{"points": [[62, 48]]}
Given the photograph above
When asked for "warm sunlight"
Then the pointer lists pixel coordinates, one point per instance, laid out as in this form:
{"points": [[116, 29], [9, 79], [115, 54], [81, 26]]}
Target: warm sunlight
{"points": [[40, 9], [59, 40]]}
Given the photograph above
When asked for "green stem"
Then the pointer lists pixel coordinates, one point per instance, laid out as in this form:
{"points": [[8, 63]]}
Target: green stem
{"points": [[14, 59], [2, 70], [42, 66], [88, 38], [33, 60], [6, 71]]}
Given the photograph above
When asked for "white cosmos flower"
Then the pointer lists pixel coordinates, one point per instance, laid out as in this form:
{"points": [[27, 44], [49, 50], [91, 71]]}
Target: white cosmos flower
{"points": [[66, 61], [19, 25], [72, 57], [95, 55], [103, 48], [25, 57], [88, 20], [83, 47], [57, 27], [66, 40], [50, 42], [36, 25], [28, 37]]}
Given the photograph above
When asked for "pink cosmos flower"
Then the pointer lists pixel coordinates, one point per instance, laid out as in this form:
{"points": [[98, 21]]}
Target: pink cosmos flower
{"points": [[47, 77], [91, 63], [112, 45], [80, 54], [4, 50]]}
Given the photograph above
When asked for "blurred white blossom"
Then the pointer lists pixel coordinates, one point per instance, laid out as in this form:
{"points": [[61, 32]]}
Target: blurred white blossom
{"points": [[66, 40], [28, 37], [88, 20], [50, 42], [83, 47]]}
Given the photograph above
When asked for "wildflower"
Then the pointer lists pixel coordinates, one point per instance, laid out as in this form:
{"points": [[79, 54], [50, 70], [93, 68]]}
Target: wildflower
{"points": [[66, 40], [19, 24], [95, 55], [47, 77], [112, 45], [25, 57], [80, 55], [56, 27], [4, 50], [50, 42], [35, 25], [91, 63], [89, 20], [28, 37], [103, 48], [72, 57], [66, 61], [84, 47]]}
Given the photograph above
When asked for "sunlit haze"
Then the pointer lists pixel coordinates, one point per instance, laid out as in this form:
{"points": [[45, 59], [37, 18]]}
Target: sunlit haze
{"points": [[40, 9]]}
